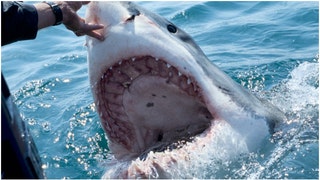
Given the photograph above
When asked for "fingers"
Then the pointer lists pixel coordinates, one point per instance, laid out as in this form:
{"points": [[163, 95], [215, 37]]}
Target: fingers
{"points": [[90, 30], [96, 35], [75, 23], [93, 34], [92, 27]]}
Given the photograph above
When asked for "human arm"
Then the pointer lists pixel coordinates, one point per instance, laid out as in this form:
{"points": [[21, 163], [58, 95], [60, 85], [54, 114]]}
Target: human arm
{"points": [[71, 19], [20, 21]]}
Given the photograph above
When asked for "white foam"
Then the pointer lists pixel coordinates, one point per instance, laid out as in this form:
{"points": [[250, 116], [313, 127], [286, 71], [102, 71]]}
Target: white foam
{"points": [[194, 160], [300, 90], [297, 96]]}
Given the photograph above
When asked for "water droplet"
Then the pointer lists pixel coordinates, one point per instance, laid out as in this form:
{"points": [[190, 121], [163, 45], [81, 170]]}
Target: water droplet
{"points": [[45, 166], [66, 80], [32, 121], [56, 139], [46, 126]]}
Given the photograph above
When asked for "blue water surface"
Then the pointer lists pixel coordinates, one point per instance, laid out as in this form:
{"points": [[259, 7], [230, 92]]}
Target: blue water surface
{"points": [[271, 48]]}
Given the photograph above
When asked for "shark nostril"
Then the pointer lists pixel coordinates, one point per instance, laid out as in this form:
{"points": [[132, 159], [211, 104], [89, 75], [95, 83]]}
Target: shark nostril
{"points": [[131, 18]]}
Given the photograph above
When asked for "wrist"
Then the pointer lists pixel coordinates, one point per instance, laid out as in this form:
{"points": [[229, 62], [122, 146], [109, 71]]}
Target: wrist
{"points": [[57, 12], [68, 11]]}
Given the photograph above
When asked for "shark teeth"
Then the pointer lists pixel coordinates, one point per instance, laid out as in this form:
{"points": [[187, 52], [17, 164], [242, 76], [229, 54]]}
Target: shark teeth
{"points": [[125, 71], [122, 74], [188, 81], [118, 78]]}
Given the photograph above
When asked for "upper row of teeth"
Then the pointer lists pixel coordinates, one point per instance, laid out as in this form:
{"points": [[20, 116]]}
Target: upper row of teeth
{"points": [[185, 80], [157, 59], [133, 59], [189, 81]]}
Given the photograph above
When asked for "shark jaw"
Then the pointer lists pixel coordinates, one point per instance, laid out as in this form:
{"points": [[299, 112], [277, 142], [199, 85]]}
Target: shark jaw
{"points": [[154, 87], [148, 94], [148, 104]]}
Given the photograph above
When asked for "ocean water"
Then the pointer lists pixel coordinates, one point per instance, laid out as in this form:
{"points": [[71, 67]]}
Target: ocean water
{"points": [[271, 48]]}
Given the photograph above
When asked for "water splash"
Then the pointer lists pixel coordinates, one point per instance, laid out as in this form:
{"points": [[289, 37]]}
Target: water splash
{"points": [[205, 157], [298, 97]]}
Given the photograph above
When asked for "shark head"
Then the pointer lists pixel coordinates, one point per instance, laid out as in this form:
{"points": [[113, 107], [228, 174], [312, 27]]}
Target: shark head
{"points": [[153, 86]]}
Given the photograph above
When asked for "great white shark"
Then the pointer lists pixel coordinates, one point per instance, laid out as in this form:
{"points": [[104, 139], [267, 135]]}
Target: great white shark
{"points": [[155, 89]]}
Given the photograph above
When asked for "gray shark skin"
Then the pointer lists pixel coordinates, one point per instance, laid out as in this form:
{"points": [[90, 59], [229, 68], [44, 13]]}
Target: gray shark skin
{"points": [[153, 86]]}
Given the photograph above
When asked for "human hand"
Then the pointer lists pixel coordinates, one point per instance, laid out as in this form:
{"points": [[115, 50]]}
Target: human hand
{"points": [[75, 23]]}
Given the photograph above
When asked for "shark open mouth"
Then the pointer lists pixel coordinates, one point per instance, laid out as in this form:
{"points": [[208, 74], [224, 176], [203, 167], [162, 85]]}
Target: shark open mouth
{"points": [[145, 103]]}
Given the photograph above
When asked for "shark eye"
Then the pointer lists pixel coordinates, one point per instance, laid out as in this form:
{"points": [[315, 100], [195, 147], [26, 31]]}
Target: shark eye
{"points": [[171, 28]]}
